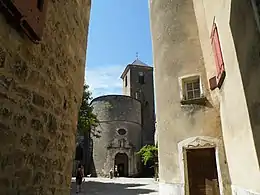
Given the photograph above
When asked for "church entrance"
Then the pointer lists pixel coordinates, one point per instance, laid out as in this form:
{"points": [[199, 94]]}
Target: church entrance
{"points": [[121, 161], [202, 172]]}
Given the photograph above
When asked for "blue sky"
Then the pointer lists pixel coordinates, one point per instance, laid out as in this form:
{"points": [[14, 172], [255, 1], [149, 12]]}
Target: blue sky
{"points": [[118, 29]]}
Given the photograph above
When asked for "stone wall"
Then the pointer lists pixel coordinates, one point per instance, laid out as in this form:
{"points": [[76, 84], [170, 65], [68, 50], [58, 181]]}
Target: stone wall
{"points": [[147, 99], [115, 112], [40, 93]]}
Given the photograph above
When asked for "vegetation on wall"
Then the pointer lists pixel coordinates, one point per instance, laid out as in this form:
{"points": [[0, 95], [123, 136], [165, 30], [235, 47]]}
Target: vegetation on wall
{"points": [[86, 118], [149, 155]]}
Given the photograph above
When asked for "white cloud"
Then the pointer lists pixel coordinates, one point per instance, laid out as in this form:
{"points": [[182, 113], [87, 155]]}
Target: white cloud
{"points": [[104, 80]]}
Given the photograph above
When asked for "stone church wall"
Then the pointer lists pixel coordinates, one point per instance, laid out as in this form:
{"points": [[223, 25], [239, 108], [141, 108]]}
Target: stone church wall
{"points": [[115, 112], [40, 93]]}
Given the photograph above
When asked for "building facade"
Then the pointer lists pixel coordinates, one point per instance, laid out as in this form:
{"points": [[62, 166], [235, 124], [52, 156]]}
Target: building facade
{"points": [[206, 61], [126, 123], [42, 58]]}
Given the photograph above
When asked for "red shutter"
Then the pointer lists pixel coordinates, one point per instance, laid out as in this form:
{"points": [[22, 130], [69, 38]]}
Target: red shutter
{"points": [[28, 14], [213, 42], [217, 55]]}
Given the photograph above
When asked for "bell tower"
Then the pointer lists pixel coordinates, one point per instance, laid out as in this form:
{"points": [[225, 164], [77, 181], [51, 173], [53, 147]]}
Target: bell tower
{"points": [[138, 83]]}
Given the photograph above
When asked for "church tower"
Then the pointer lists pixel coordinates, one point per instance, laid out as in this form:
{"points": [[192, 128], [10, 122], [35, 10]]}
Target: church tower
{"points": [[138, 83]]}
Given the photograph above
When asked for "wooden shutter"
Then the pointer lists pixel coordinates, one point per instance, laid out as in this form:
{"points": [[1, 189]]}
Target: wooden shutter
{"points": [[29, 15], [217, 52]]}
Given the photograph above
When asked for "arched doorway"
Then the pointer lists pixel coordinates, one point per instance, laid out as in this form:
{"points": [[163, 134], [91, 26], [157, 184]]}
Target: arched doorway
{"points": [[121, 161]]}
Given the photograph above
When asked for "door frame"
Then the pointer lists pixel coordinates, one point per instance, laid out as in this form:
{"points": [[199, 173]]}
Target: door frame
{"points": [[126, 163], [198, 142]]}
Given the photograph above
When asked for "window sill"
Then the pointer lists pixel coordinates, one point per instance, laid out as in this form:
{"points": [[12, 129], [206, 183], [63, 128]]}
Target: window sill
{"points": [[198, 101]]}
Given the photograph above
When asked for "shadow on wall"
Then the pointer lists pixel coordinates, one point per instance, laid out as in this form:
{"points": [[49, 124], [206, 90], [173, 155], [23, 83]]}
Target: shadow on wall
{"points": [[93, 187], [92, 167], [246, 37]]}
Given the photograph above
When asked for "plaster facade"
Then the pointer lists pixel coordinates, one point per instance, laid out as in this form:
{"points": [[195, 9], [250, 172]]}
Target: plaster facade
{"points": [[181, 31], [40, 93]]}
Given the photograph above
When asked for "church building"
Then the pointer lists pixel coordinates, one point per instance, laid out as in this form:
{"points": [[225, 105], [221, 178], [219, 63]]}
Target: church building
{"points": [[126, 123]]}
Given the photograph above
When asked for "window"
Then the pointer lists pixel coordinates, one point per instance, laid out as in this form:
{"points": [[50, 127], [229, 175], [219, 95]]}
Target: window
{"points": [[141, 78], [40, 4], [217, 55], [125, 81], [121, 131], [30, 16], [191, 88]]}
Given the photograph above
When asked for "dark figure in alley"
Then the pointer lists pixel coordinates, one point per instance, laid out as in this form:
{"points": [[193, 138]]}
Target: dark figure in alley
{"points": [[79, 177]]}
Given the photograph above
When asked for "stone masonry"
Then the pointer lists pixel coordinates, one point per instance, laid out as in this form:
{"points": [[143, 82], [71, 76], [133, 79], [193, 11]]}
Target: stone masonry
{"points": [[40, 93], [116, 112]]}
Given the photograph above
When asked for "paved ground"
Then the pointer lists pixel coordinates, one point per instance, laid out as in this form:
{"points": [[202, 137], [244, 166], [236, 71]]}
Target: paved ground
{"points": [[117, 186]]}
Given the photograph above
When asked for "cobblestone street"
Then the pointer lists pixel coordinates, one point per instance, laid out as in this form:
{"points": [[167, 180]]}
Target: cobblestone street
{"points": [[118, 186]]}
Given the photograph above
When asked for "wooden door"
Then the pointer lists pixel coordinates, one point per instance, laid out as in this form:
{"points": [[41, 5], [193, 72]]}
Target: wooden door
{"points": [[202, 172]]}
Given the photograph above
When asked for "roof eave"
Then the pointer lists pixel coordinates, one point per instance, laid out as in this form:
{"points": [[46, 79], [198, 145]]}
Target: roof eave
{"points": [[125, 71]]}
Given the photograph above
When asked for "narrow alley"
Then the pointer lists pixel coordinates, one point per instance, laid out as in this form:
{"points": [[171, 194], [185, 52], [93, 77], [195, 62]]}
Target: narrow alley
{"points": [[118, 186]]}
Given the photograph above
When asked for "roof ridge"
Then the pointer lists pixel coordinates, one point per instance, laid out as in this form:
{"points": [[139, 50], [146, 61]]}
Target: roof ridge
{"points": [[139, 62]]}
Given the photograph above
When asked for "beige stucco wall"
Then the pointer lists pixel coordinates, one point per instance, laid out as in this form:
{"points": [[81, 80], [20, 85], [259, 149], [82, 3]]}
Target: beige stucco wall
{"points": [[236, 127], [178, 50], [177, 54]]}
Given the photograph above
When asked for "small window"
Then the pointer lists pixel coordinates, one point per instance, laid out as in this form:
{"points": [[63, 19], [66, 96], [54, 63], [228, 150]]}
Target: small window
{"points": [[121, 131], [125, 81], [29, 15], [141, 78], [191, 88], [40, 4]]}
